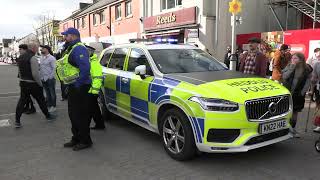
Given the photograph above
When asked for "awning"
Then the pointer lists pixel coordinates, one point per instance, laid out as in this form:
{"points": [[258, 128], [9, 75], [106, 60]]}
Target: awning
{"points": [[163, 33]]}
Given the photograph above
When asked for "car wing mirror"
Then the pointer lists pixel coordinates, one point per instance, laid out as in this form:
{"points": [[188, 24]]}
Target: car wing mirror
{"points": [[141, 71]]}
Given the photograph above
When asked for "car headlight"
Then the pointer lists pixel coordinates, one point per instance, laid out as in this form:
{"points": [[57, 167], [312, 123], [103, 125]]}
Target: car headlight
{"points": [[213, 104]]}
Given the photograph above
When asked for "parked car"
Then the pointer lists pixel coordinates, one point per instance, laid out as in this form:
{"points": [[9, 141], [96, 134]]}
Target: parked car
{"points": [[192, 100]]}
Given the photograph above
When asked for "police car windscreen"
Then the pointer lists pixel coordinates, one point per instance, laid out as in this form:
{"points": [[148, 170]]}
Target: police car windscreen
{"points": [[184, 61]]}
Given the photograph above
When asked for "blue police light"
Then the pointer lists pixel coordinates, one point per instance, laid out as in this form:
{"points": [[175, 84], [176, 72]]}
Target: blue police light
{"points": [[172, 40], [158, 40]]}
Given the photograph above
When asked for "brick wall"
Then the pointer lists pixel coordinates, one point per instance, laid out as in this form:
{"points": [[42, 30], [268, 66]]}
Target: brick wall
{"points": [[128, 24]]}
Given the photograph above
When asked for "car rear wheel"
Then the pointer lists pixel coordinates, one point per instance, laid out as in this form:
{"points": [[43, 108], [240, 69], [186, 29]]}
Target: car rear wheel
{"points": [[317, 146], [177, 135]]}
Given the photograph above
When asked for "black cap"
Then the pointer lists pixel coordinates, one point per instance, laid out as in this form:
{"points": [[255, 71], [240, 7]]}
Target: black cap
{"points": [[254, 40], [284, 47], [90, 48], [46, 46], [23, 46]]}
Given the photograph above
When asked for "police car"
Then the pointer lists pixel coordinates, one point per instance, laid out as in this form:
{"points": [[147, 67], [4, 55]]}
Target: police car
{"points": [[192, 100]]}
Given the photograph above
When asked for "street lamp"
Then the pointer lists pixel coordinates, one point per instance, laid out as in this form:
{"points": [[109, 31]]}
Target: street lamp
{"points": [[234, 9]]}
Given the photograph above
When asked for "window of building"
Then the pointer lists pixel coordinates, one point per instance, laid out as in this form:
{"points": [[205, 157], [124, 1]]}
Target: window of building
{"points": [[128, 8], [137, 58], [102, 17], [169, 4], [83, 23], [106, 57], [117, 59], [78, 23], [94, 19], [118, 11], [65, 26]]}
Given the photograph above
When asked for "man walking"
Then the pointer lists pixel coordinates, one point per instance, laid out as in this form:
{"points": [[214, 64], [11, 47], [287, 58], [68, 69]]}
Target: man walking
{"points": [[30, 84], [29, 107], [96, 76], [47, 72], [74, 69], [254, 62]]}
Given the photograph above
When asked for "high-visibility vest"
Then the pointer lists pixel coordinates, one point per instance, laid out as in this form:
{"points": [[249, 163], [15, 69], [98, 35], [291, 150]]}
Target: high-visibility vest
{"points": [[96, 74], [66, 72]]}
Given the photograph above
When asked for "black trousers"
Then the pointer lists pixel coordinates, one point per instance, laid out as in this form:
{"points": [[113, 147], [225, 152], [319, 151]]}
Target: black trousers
{"points": [[95, 112], [29, 106], [64, 88], [36, 91], [78, 110]]}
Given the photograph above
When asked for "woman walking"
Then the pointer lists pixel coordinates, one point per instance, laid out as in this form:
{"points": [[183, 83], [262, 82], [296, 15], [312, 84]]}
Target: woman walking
{"points": [[297, 78]]}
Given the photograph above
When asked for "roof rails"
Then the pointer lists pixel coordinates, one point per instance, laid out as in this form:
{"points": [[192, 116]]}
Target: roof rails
{"points": [[139, 40], [155, 41]]}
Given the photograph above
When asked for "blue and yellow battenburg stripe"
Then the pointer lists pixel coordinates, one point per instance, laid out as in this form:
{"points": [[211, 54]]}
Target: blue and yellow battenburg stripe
{"points": [[139, 100]]}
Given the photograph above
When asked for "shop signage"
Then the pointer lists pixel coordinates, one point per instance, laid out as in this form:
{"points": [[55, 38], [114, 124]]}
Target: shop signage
{"points": [[166, 19], [193, 33], [174, 19]]}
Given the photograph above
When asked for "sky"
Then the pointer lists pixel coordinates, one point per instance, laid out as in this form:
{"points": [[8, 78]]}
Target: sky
{"points": [[18, 17]]}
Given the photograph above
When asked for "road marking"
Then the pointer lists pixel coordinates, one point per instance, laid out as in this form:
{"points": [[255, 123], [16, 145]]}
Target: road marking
{"points": [[10, 114], [5, 123], [9, 97]]}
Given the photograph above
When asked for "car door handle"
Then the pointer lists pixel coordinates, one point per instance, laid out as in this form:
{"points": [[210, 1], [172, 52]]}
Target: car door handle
{"points": [[125, 80]]}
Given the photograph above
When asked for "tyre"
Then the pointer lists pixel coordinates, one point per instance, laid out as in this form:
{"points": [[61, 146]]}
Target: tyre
{"points": [[102, 104], [317, 146], [177, 135]]}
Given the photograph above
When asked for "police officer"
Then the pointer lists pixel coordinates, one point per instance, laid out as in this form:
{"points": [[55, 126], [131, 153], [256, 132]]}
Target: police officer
{"points": [[97, 78], [74, 70]]}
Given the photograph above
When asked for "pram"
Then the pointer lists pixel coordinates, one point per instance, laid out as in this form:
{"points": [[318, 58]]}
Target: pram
{"points": [[317, 123]]}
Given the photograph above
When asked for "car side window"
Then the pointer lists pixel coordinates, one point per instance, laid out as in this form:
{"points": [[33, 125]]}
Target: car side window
{"points": [[106, 56], [118, 58], [138, 57]]}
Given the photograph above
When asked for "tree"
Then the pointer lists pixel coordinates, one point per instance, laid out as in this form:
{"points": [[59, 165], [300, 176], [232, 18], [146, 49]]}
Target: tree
{"points": [[44, 28]]}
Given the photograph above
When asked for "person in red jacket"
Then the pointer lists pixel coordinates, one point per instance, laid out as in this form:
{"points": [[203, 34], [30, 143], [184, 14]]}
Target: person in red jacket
{"points": [[254, 62]]}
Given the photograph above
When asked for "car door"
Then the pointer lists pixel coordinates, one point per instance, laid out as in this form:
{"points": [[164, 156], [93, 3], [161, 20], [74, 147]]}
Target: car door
{"points": [[112, 72], [118, 80], [138, 86]]}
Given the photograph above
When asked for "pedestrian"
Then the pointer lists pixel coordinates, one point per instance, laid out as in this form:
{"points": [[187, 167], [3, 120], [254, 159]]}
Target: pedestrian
{"points": [[253, 62], [97, 78], [227, 57], [315, 58], [74, 70], [47, 75], [281, 59], [296, 77], [29, 107], [30, 84], [315, 87], [312, 61]]}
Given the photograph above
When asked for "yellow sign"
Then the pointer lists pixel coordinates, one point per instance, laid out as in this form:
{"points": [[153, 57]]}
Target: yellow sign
{"points": [[166, 19], [235, 6]]}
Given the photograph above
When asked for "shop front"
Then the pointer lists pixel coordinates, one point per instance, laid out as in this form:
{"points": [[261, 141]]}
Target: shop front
{"points": [[173, 27]]}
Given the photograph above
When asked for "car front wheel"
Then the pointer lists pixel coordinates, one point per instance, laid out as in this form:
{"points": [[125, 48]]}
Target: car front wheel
{"points": [[177, 135]]}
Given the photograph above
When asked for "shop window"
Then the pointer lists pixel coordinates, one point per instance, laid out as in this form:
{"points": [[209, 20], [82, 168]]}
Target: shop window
{"points": [[102, 17], [118, 58], [169, 4], [94, 19], [128, 8], [118, 11], [137, 58], [83, 23], [105, 58]]}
